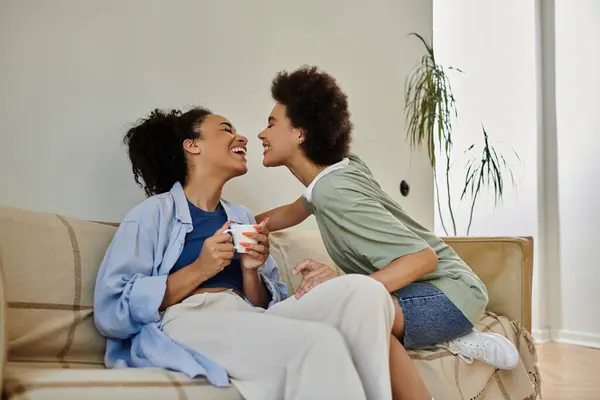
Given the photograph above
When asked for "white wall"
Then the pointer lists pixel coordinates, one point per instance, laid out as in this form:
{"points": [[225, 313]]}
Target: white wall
{"points": [[578, 119], [75, 74], [494, 44]]}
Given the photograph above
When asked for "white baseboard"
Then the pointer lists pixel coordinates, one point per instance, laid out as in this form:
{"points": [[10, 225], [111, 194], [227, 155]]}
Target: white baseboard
{"points": [[567, 337], [541, 335], [576, 338]]}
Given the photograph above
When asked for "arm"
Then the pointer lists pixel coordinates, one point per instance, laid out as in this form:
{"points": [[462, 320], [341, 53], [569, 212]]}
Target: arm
{"points": [[183, 282], [285, 216], [406, 269], [254, 288], [260, 274], [216, 253], [127, 295], [371, 233], [256, 255], [395, 275], [400, 255]]}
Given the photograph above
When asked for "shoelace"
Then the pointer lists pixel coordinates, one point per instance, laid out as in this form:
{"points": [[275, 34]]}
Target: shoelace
{"points": [[477, 350]]}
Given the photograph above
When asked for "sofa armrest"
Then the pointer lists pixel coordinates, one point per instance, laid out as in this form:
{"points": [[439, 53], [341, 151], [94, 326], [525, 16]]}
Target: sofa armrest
{"points": [[3, 327], [505, 265]]}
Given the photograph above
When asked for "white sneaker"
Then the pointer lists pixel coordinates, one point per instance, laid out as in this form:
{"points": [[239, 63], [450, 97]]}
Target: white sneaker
{"points": [[491, 348]]}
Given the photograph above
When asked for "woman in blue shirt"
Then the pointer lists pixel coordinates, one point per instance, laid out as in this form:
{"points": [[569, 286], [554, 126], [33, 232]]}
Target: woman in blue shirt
{"points": [[172, 292]]}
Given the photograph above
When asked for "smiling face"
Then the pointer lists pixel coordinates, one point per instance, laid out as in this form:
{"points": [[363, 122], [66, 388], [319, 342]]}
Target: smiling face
{"points": [[220, 148], [280, 138]]}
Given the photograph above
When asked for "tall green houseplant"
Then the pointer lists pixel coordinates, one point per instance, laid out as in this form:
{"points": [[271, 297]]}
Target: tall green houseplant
{"points": [[430, 110]]}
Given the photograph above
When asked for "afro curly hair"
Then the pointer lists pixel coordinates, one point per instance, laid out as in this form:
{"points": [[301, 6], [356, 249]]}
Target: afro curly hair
{"points": [[315, 103]]}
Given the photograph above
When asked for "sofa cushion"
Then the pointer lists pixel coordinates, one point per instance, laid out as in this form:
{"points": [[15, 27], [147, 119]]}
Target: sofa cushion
{"points": [[59, 381], [50, 265], [446, 376]]}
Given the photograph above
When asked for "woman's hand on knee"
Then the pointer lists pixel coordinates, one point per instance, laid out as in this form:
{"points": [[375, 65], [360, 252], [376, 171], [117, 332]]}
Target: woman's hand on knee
{"points": [[313, 274]]}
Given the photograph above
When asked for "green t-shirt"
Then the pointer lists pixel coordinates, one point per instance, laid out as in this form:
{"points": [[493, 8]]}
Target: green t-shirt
{"points": [[364, 230]]}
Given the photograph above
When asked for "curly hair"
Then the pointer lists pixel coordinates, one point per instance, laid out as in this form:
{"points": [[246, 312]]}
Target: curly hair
{"points": [[315, 103], [155, 147]]}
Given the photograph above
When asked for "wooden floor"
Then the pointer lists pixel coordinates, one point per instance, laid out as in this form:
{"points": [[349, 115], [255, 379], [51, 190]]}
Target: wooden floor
{"points": [[569, 372]]}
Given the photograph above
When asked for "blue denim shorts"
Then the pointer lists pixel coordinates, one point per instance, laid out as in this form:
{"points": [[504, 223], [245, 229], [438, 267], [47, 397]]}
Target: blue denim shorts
{"points": [[429, 316]]}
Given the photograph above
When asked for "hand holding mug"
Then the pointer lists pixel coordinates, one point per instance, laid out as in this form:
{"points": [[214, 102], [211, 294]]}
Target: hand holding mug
{"points": [[216, 252], [254, 245]]}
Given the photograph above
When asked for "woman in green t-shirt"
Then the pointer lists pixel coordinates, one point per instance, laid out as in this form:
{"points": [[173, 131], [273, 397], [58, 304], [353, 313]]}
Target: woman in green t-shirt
{"points": [[437, 297]]}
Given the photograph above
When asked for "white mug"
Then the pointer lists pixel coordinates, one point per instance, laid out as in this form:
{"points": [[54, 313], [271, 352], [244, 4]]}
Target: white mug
{"points": [[237, 231]]}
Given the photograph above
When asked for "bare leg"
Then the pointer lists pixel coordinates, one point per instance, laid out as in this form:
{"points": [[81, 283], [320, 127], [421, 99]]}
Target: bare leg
{"points": [[406, 382]]}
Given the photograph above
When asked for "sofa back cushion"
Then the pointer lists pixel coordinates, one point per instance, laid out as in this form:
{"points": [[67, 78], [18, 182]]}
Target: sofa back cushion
{"points": [[49, 266], [291, 247]]}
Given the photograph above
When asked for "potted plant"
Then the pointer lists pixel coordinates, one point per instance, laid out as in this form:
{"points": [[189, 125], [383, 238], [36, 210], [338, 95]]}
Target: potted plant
{"points": [[430, 110]]}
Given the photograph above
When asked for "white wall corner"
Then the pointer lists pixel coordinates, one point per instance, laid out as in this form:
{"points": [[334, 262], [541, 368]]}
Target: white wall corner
{"points": [[548, 241], [541, 335]]}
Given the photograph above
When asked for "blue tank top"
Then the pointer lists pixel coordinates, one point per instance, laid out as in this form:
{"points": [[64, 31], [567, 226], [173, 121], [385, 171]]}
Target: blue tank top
{"points": [[206, 224]]}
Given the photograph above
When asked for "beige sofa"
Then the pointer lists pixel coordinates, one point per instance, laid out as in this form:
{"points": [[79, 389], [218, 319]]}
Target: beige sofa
{"points": [[53, 351]]}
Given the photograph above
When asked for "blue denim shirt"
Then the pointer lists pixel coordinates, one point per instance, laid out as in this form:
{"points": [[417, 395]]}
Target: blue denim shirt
{"points": [[132, 280]]}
